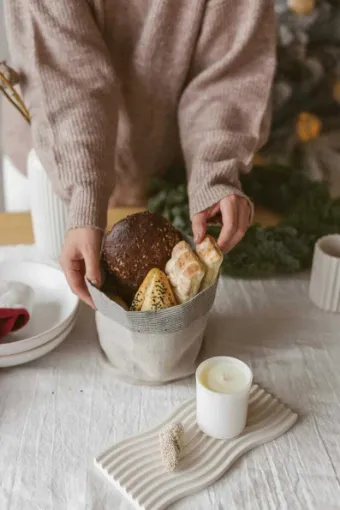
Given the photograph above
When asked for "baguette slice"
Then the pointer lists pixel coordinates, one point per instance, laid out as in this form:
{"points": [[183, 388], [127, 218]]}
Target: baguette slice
{"points": [[185, 272], [212, 257], [155, 293], [139, 298]]}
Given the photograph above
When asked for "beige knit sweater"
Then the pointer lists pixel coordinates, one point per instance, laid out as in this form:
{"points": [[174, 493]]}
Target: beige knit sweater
{"points": [[125, 88]]}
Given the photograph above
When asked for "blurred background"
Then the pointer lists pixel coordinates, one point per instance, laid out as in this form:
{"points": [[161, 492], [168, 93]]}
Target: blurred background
{"points": [[306, 102], [3, 55]]}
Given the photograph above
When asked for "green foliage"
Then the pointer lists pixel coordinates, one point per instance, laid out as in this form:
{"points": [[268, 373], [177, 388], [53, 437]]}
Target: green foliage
{"points": [[307, 210]]}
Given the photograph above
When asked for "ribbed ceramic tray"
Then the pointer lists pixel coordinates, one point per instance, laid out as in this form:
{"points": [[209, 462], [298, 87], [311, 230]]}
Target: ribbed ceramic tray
{"points": [[134, 466]]}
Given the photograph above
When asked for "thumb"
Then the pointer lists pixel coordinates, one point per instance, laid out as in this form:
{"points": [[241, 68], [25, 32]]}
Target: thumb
{"points": [[92, 264], [199, 227]]}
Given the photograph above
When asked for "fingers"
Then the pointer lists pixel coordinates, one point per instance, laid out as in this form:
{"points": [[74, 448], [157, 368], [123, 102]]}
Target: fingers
{"points": [[76, 281], [92, 267], [235, 215], [243, 223], [199, 227], [80, 259], [228, 208]]}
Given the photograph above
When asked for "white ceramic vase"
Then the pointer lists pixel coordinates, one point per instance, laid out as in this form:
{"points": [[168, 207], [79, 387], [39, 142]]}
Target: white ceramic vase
{"points": [[324, 287], [49, 212]]}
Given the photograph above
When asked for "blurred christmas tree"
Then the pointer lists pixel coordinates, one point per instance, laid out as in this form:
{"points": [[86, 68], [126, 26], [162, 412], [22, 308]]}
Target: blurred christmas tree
{"points": [[306, 94], [305, 139]]}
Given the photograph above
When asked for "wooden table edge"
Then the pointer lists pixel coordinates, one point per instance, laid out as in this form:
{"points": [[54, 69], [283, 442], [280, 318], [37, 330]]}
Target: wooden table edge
{"points": [[16, 228]]}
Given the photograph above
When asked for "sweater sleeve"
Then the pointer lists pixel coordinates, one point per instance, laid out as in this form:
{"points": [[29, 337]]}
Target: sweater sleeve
{"points": [[224, 111], [69, 87]]}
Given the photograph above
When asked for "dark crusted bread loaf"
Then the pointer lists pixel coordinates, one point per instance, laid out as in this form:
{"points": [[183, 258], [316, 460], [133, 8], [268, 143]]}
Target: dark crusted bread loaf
{"points": [[133, 247]]}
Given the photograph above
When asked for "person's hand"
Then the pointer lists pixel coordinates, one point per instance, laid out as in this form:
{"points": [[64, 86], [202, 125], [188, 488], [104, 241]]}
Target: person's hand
{"points": [[79, 259], [233, 212]]}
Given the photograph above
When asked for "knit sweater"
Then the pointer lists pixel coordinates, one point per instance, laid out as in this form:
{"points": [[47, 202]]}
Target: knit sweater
{"points": [[132, 87]]}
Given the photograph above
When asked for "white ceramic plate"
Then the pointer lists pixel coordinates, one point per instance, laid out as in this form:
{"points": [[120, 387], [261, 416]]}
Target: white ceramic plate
{"points": [[54, 305], [38, 352], [19, 346]]}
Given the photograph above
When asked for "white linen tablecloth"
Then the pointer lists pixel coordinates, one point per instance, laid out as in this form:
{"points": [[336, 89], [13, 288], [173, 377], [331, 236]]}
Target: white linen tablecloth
{"points": [[58, 412]]}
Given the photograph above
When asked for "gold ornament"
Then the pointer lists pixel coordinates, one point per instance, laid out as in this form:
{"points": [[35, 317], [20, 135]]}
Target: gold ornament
{"points": [[308, 126], [302, 7], [259, 160], [336, 91]]}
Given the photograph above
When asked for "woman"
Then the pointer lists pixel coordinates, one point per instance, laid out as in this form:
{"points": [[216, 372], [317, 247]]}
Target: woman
{"points": [[122, 90]]}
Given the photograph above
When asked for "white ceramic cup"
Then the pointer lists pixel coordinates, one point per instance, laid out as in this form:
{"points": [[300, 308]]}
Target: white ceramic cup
{"points": [[49, 212], [324, 287], [222, 396]]}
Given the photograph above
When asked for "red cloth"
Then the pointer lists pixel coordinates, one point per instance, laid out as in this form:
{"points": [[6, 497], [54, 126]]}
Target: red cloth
{"points": [[12, 319], [16, 303]]}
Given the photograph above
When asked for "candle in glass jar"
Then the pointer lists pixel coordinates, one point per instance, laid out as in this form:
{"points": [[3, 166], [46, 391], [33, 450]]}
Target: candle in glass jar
{"points": [[222, 393]]}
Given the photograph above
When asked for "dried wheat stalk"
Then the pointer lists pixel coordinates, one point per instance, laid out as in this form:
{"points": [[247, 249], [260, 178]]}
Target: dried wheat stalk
{"points": [[8, 79]]}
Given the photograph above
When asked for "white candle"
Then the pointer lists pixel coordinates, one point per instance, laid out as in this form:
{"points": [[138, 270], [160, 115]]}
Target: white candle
{"points": [[222, 395]]}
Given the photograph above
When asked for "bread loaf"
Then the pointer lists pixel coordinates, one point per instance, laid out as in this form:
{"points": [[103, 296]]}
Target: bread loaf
{"points": [[133, 247], [212, 257], [185, 272], [155, 293]]}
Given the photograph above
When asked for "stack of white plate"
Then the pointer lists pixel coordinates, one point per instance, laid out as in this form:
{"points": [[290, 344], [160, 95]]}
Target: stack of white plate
{"points": [[53, 317]]}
